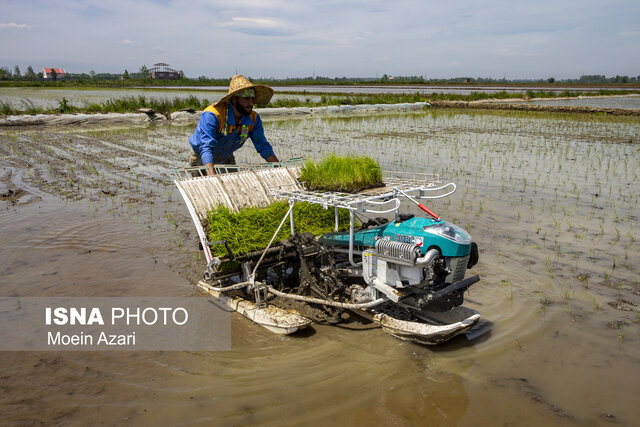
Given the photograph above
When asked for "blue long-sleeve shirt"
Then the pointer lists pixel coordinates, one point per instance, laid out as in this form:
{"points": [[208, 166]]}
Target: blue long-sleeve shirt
{"points": [[214, 146]]}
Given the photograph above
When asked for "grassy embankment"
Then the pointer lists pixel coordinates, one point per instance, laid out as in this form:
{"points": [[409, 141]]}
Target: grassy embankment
{"points": [[168, 105], [252, 228]]}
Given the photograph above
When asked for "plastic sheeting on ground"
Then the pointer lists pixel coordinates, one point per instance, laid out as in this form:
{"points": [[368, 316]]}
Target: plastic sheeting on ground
{"points": [[80, 118]]}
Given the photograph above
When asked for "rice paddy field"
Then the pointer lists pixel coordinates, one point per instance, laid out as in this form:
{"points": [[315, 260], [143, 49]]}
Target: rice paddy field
{"points": [[32, 98], [551, 199]]}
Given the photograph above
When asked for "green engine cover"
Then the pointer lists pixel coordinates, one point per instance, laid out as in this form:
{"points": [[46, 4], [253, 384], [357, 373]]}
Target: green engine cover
{"points": [[426, 233]]}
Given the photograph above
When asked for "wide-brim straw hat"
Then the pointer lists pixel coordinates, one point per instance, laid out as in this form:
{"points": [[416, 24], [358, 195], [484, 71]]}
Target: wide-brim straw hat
{"points": [[239, 82]]}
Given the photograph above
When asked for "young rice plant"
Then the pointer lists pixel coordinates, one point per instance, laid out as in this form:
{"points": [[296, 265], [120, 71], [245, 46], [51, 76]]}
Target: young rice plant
{"points": [[252, 228], [347, 174]]}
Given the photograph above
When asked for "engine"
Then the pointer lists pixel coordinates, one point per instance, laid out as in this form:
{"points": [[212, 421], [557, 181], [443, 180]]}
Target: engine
{"points": [[418, 262]]}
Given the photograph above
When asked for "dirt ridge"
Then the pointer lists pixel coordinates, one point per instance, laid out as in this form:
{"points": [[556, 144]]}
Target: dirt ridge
{"points": [[492, 105]]}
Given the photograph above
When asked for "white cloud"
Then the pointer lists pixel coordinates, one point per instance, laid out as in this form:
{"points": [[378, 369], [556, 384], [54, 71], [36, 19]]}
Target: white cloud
{"points": [[261, 26], [14, 26]]}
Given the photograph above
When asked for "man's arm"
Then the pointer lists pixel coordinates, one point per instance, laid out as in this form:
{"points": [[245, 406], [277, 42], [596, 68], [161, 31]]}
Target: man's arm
{"points": [[208, 131], [260, 142], [210, 169]]}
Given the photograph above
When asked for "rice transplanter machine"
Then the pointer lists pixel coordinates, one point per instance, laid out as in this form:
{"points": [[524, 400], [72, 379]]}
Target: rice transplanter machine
{"points": [[403, 271]]}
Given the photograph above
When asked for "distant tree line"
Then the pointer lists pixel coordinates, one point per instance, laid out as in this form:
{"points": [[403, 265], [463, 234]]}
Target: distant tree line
{"points": [[392, 80], [143, 73], [603, 79], [143, 76], [585, 79], [6, 74]]}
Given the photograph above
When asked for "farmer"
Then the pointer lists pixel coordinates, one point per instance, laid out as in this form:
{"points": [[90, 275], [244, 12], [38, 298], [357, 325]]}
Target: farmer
{"points": [[225, 126]]}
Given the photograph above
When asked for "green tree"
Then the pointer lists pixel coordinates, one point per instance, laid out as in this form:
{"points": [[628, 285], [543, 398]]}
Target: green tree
{"points": [[30, 74], [551, 80], [144, 71], [92, 74], [16, 72], [125, 74]]}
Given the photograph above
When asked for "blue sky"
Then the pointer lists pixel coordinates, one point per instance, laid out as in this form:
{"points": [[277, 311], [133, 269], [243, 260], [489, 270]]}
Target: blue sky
{"points": [[265, 38]]}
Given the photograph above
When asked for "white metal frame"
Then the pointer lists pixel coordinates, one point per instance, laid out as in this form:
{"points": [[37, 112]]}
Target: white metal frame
{"points": [[195, 171], [398, 184]]}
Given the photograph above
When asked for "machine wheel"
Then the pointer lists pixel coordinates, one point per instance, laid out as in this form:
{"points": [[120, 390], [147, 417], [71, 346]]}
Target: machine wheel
{"points": [[474, 256]]}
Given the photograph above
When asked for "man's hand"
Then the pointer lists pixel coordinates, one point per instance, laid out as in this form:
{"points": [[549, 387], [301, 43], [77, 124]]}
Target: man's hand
{"points": [[272, 159], [210, 170]]}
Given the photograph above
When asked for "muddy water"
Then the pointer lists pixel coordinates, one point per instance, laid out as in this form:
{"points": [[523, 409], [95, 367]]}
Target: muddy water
{"points": [[550, 199]]}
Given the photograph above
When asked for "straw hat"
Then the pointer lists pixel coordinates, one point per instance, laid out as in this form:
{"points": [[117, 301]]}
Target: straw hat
{"points": [[238, 82]]}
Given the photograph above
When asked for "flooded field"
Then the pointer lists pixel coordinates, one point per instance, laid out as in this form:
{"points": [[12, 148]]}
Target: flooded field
{"points": [[22, 98], [51, 97], [409, 89], [551, 200]]}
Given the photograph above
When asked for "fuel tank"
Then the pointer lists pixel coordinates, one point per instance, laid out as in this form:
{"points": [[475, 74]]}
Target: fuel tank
{"points": [[426, 233]]}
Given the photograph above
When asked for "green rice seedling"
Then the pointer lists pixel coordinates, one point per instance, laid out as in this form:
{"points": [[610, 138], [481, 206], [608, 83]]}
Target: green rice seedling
{"points": [[348, 174], [567, 293], [508, 283], [29, 107], [65, 107], [171, 219], [6, 108], [549, 268], [252, 228]]}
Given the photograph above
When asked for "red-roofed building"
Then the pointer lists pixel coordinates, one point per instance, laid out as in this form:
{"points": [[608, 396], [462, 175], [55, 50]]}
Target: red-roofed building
{"points": [[53, 73]]}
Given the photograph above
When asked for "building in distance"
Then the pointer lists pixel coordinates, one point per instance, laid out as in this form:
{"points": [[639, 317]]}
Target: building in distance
{"points": [[53, 73], [161, 71]]}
